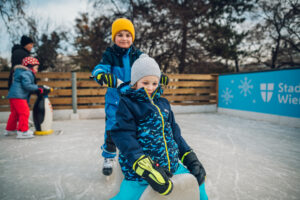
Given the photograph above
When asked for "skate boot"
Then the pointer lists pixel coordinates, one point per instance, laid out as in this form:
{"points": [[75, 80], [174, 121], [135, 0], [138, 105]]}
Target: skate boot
{"points": [[9, 133], [107, 166], [25, 135]]}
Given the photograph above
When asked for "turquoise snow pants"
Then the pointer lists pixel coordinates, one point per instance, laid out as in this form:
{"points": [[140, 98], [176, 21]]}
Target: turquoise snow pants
{"points": [[133, 190]]}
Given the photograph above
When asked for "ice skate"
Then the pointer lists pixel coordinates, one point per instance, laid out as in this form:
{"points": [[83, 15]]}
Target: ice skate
{"points": [[25, 135], [9, 133], [107, 166]]}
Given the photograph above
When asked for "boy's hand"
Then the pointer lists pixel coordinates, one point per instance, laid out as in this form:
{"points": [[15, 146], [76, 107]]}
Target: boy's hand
{"points": [[107, 78], [164, 79], [194, 166], [155, 175]]}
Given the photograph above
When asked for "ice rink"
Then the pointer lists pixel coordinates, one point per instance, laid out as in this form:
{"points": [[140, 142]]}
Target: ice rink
{"points": [[244, 160]]}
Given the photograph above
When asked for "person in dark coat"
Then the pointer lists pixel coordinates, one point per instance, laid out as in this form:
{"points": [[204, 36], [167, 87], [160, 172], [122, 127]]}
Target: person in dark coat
{"points": [[18, 53]]}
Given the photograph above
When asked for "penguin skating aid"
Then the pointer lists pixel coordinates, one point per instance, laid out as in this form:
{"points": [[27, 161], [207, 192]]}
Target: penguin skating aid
{"points": [[43, 113]]}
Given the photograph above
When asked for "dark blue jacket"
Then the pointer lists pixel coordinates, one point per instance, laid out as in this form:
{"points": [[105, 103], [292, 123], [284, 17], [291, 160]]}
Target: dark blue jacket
{"points": [[118, 61], [147, 126]]}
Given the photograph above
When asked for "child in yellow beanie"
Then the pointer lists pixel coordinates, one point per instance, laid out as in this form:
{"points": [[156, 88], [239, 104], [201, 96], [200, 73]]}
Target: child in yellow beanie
{"points": [[115, 64]]}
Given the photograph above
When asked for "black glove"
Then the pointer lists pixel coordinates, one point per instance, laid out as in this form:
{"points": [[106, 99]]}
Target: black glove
{"points": [[155, 175], [194, 166], [43, 89], [164, 79], [107, 78]]}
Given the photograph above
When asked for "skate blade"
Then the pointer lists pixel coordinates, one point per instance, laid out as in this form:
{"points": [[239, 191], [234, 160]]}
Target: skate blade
{"points": [[58, 132]]}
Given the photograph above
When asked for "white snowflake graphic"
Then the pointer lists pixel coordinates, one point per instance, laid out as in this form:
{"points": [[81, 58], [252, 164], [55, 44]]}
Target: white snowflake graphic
{"points": [[227, 96], [245, 86]]}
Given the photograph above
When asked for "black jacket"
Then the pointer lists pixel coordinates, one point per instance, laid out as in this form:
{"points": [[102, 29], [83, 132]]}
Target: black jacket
{"points": [[17, 54]]}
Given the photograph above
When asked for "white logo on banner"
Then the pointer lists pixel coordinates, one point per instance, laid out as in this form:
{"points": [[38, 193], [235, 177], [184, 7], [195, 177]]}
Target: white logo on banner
{"points": [[266, 91], [245, 86], [227, 96]]}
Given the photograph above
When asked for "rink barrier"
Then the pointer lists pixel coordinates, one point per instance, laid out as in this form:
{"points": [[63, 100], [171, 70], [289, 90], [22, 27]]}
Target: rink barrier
{"points": [[272, 95], [99, 113], [183, 90]]}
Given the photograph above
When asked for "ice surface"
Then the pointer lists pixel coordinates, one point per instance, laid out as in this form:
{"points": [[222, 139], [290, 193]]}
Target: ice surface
{"points": [[244, 160]]}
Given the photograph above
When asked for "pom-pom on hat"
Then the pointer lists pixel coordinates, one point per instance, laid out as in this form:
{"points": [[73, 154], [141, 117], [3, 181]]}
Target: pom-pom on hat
{"points": [[30, 62], [122, 24], [144, 66], [25, 40]]}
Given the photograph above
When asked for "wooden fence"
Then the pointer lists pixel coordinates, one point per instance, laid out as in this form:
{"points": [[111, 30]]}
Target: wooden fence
{"points": [[183, 89]]}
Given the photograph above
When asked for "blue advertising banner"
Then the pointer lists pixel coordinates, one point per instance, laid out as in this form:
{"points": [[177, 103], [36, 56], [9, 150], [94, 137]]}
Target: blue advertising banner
{"points": [[271, 92]]}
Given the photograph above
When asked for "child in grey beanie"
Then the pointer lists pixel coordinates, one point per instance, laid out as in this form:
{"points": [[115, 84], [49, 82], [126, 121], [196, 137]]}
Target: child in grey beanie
{"points": [[146, 134], [144, 66]]}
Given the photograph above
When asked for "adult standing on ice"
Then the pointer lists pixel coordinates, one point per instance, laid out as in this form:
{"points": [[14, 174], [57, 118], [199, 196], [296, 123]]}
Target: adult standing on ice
{"points": [[18, 53]]}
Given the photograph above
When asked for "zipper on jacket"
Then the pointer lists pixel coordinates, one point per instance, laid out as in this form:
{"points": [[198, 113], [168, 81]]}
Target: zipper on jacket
{"points": [[163, 127]]}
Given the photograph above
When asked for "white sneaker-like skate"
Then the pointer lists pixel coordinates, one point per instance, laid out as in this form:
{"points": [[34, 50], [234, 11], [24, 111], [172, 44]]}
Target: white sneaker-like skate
{"points": [[25, 135], [107, 166], [9, 133]]}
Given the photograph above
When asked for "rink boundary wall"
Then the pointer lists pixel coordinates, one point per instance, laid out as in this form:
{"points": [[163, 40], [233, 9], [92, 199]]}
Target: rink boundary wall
{"points": [[75, 90], [277, 119], [275, 92], [272, 96], [99, 113]]}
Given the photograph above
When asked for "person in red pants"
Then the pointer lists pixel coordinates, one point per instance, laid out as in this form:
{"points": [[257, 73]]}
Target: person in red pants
{"points": [[24, 83]]}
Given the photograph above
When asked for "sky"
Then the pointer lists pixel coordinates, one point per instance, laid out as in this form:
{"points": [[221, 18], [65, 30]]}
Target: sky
{"points": [[60, 13]]}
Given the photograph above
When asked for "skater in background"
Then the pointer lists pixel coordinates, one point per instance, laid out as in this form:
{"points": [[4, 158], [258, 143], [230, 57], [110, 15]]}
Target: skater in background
{"points": [[18, 53], [148, 137], [23, 84]]}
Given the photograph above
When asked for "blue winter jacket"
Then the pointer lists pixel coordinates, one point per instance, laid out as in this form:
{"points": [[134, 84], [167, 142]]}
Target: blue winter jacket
{"points": [[23, 83], [117, 61], [146, 126]]}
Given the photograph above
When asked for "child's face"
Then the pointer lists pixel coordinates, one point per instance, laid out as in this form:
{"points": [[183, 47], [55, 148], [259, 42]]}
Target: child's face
{"points": [[35, 68], [29, 46], [150, 83], [123, 39]]}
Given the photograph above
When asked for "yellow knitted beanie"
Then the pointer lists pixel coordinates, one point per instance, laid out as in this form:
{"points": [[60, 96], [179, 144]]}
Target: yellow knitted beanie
{"points": [[122, 24]]}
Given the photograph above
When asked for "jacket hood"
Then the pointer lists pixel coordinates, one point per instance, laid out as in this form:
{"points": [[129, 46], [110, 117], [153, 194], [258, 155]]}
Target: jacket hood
{"points": [[20, 67], [119, 51], [140, 94], [16, 47]]}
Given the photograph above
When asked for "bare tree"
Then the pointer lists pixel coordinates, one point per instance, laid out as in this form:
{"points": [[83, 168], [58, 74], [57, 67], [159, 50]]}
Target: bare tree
{"points": [[92, 38], [276, 39], [4, 66], [188, 33], [180, 34], [12, 15]]}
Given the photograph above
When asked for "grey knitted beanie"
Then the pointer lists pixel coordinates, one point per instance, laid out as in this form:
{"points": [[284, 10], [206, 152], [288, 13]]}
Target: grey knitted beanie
{"points": [[144, 66]]}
